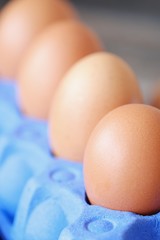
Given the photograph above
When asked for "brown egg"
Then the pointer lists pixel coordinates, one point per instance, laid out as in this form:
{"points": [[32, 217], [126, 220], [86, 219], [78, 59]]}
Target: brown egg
{"points": [[95, 85], [122, 160], [155, 101], [21, 22], [47, 61]]}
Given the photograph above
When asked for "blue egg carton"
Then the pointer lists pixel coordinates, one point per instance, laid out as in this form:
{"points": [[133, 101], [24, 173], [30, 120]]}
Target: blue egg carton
{"points": [[43, 197]]}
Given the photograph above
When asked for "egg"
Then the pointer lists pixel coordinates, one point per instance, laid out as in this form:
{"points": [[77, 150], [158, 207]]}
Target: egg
{"points": [[122, 160], [155, 96], [21, 22], [48, 59], [93, 86]]}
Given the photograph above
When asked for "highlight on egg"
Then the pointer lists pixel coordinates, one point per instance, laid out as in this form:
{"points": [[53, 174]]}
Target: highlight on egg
{"points": [[122, 160], [21, 22], [91, 88], [48, 59]]}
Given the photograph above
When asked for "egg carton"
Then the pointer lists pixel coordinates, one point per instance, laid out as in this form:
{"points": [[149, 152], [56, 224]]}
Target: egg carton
{"points": [[43, 197]]}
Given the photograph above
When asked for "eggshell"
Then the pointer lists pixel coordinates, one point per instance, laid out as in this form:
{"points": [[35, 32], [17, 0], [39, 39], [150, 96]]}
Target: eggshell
{"points": [[21, 22], [122, 160], [95, 85], [155, 96], [48, 59]]}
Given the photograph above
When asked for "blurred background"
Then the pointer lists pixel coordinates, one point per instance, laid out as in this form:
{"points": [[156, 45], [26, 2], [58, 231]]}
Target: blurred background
{"points": [[130, 29]]}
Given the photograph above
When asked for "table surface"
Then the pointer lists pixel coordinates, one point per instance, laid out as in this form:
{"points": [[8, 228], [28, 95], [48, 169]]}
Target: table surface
{"points": [[134, 37]]}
